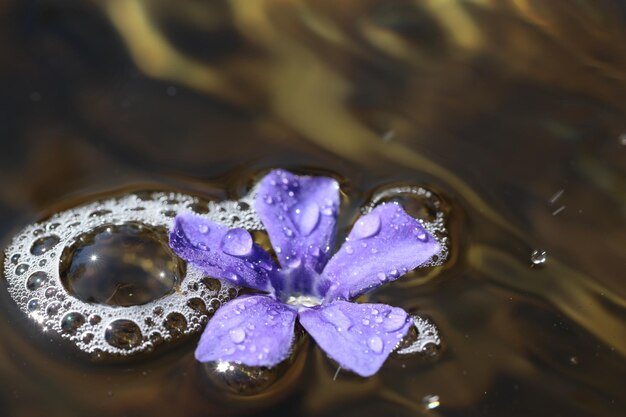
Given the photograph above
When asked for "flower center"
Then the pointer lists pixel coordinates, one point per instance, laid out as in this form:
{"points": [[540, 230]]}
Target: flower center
{"points": [[303, 300]]}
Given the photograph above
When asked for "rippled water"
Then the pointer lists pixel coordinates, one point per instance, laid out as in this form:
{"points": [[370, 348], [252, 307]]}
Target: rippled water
{"points": [[512, 112]]}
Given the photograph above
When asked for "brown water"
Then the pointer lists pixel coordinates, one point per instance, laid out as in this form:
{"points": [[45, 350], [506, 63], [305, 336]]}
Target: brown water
{"points": [[514, 110]]}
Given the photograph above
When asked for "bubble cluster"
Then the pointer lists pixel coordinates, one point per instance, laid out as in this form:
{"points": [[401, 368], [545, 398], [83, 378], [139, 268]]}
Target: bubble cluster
{"points": [[38, 256]]}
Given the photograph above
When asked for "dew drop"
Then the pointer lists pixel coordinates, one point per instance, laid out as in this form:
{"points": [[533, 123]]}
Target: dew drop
{"points": [[44, 244], [71, 322], [381, 276], [36, 280], [237, 335], [123, 334], [538, 257], [349, 250], [237, 242], [337, 318], [203, 228], [305, 216], [367, 226], [375, 343], [394, 321]]}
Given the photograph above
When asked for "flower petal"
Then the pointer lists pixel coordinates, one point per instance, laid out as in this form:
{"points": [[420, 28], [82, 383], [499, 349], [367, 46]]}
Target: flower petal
{"points": [[382, 246], [255, 330], [358, 336], [299, 214], [224, 253]]}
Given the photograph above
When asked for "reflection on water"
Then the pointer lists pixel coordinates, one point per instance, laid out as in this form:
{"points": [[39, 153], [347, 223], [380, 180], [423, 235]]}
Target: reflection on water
{"points": [[500, 105]]}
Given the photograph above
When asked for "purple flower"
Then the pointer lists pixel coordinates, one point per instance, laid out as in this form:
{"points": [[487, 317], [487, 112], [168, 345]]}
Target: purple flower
{"points": [[299, 214]]}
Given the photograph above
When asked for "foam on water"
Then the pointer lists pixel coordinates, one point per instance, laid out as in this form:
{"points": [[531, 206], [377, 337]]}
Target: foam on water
{"points": [[32, 272]]}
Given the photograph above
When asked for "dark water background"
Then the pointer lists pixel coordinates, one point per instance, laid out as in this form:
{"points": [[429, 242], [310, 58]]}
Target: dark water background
{"points": [[499, 105]]}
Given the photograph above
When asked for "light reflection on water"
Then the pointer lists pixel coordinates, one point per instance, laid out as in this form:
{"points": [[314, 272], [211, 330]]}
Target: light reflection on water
{"points": [[498, 104]]}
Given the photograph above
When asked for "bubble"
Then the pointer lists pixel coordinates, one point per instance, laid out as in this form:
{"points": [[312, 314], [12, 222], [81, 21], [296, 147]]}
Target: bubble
{"points": [[71, 322], [175, 323], [21, 269], [198, 305], [33, 304], [121, 265], [538, 257], [123, 334], [44, 244], [15, 259], [87, 337], [423, 338], [50, 292], [53, 308], [94, 319], [36, 280]]}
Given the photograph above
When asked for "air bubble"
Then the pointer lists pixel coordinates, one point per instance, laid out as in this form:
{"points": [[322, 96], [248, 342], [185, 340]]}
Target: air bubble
{"points": [[33, 304], [36, 280], [123, 334], [44, 244], [175, 323], [71, 322], [21, 269]]}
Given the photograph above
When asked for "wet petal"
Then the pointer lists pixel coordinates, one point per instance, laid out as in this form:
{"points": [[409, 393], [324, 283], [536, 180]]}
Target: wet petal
{"points": [[299, 214], [358, 336], [255, 331], [382, 246], [224, 253]]}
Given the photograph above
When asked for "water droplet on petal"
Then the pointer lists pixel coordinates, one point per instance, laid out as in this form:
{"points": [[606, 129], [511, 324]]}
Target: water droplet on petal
{"points": [[237, 242], [305, 216], [375, 343], [381, 276], [349, 250], [421, 235], [337, 318], [203, 228], [287, 231], [394, 321], [367, 226], [237, 335]]}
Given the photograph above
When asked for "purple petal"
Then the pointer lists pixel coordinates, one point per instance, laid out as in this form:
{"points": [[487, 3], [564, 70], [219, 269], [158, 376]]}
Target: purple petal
{"points": [[255, 330], [299, 214], [382, 246], [224, 253], [358, 336]]}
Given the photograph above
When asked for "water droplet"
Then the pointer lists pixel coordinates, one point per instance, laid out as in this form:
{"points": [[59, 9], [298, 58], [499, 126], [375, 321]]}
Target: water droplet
{"points": [[349, 250], [366, 226], [125, 265], [44, 244], [421, 235], [381, 276], [337, 318], [21, 269], [203, 228], [287, 231], [71, 322], [36, 280], [365, 322], [33, 304], [237, 242], [394, 321], [175, 323], [305, 216], [269, 200], [431, 401], [237, 335], [538, 257], [375, 343], [123, 334]]}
